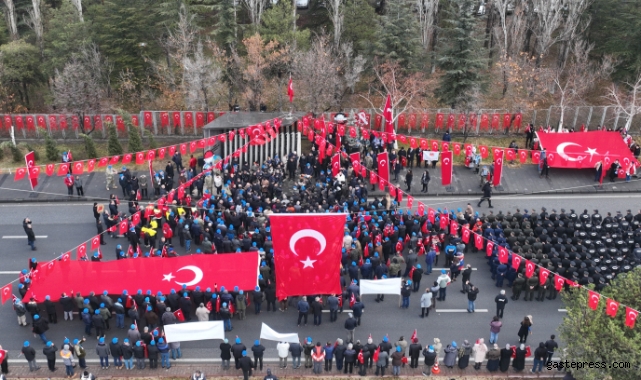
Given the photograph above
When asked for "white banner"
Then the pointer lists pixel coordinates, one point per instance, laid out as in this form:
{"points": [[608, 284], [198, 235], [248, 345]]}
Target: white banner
{"points": [[428, 155], [204, 330], [382, 286], [268, 333]]}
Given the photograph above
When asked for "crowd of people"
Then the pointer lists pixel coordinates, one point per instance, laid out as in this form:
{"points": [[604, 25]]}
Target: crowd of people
{"points": [[226, 211]]}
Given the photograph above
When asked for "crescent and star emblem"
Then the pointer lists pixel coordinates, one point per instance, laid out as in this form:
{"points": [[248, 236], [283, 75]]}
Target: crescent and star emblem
{"points": [[308, 262], [198, 275], [560, 149]]}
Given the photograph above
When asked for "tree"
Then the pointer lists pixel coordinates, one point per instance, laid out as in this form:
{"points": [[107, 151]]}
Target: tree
{"points": [[225, 26], [510, 36], [427, 12], [254, 68], [21, 68], [359, 28], [113, 145], [626, 101], [51, 148], [277, 24], [135, 141], [580, 75], [90, 146], [77, 4], [65, 35], [255, 8], [151, 140], [398, 37], [34, 20], [324, 73], [12, 19], [593, 336], [336, 10], [460, 59], [201, 78], [80, 87]]}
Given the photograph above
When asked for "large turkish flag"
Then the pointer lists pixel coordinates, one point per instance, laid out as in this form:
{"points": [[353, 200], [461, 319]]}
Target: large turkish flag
{"points": [[446, 168], [383, 166], [157, 274], [584, 150], [307, 253]]}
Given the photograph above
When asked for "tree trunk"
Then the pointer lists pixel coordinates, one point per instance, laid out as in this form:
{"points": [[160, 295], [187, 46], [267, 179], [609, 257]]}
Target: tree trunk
{"points": [[78, 5], [12, 22], [26, 94]]}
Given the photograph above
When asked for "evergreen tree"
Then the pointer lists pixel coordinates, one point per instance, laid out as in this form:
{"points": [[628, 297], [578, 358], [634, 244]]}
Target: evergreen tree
{"points": [[135, 141], [360, 25], [593, 336], [113, 145], [398, 36], [225, 25], [277, 26], [90, 146], [151, 140], [51, 148], [64, 36], [16, 155], [460, 59]]}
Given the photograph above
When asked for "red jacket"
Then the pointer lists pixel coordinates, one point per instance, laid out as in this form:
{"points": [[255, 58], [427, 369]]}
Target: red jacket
{"points": [[69, 181]]}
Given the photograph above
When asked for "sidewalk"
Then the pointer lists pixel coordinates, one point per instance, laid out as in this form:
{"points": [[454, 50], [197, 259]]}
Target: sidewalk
{"points": [[211, 371], [523, 180]]}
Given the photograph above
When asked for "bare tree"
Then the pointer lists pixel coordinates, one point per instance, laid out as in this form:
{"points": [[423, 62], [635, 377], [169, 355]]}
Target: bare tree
{"points": [[202, 80], [12, 19], [575, 22], [78, 5], [324, 74], [549, 18], [580, 76], [255, 9], [404, 88], [427, 11], [336, 12], [627, 102], [80, 88], [510, 34], [34, 20]]}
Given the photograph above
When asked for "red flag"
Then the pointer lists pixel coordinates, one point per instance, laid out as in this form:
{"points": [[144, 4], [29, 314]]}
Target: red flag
{"points": [[489, 248], [414, 336], [446, 168], [336, 164], [529, 268], [81, 251], [20, 174], [290, 90], [558, 282], [134, 120], [523, 156], [135, 218], [510, 155], [457, 149], [91, 164], [308, 248], [183, 149], [160, 275], [66, 256], [465, 233], [431, 215], [352, 299], [498, 169], [125, 159], [503, 255], [543, 275], [535, 157], [49, 169], [164, 119], [410, 202], [6, 293], [356, 161], [63, 169], [200, 119], [140, 158], [95, 242], [611, 307], [630, 317], [179, 315], [421, 208], [516, 261], [484, 151], [593, 299], [383, 166], [387, 114], [123, 226], [78, 167], [453, 227], [376, 353]]}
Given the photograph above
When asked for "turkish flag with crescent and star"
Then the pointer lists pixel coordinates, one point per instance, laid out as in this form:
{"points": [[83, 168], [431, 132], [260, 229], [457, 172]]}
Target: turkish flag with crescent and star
{"points": [[156, 274], [593, 299], [611, 307], [447, 168], [630, 316], [336, 164], [516, 262], [387, 114], [6, 293], [498, 168], [307, 253], [584, 150], [30, 159], [383, 166]]}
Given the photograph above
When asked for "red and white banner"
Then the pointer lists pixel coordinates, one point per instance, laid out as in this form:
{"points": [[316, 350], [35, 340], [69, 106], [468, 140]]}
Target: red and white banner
{"points": [[356, 162], [584, 150], [383, 167], [307, 253], [388, 115], [30, 160], [498, 167], [157, 274], [447, 168], [336, 164]]}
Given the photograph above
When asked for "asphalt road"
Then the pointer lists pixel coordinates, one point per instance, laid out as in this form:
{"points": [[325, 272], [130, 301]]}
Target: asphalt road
{"points": [[67, 225]]}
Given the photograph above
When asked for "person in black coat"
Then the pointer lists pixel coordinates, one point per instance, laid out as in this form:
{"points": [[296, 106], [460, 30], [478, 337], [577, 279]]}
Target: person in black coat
{"points": [[237, 350], [317, 310], [339, 354], [225, 353], [185, 306], [139, 354], [50, 353], [152, 354], [245, 363], [519, 360], [415, 352], [270, 297], [98, 323], [50, 308], [258, 350], [506, 356]]}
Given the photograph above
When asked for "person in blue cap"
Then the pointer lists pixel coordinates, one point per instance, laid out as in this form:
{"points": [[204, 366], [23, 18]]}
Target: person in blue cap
{"points": [[258, 297], [30, 355], [258, 350], [127, 354], [237, 350], [163, 348], [98, 323], [50, 308], [443, 280], [80, 352], [245, 363], [152, 354], [139, 354], [115, 347], [103, 352], [40, 327], [50, 353]]}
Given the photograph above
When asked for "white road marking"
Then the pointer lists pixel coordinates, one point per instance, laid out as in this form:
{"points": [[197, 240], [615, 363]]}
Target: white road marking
{"points": [[563, 310], [460, 310], [10, 272], [344, 311], [24, 236]]}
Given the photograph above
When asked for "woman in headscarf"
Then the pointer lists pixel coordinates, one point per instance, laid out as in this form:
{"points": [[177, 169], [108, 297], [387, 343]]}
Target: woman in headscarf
{"points": [[493, 357], [525, 329], [464, 353], [506, 355], [519, 360], [479, 350], [451, 353]]}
